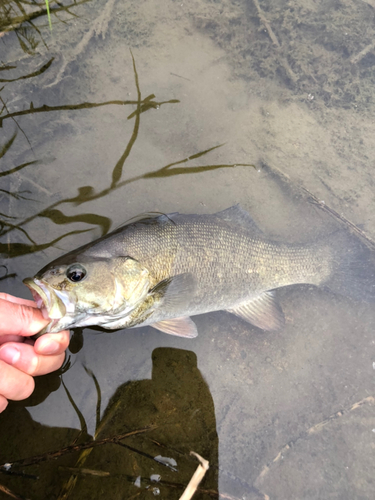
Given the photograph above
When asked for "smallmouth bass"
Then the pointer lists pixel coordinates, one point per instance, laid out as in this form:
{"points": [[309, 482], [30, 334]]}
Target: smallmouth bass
{"points": [[161, 269]]}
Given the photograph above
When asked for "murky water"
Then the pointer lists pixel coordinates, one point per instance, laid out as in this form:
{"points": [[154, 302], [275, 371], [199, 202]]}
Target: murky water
{"points": [[285, 86]]}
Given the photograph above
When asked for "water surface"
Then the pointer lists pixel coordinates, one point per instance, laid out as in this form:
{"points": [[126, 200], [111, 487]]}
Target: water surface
{"points": [[284, 86]]}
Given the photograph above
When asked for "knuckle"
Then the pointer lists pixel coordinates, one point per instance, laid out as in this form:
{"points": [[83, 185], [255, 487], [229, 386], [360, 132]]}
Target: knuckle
{"points": [[25, 314]]}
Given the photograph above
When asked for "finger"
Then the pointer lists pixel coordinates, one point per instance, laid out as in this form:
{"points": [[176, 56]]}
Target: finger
{"points": [[3, 403], [52, 343], [19, 319], [14, 384], [17, 300], [24, 358]]}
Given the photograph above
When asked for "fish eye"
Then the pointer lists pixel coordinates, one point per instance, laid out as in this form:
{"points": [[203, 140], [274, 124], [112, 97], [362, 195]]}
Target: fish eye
{"points": [[76, 273]]}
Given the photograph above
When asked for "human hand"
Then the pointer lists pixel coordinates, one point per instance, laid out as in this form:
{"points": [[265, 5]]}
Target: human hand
{"points": [[21, 358]]}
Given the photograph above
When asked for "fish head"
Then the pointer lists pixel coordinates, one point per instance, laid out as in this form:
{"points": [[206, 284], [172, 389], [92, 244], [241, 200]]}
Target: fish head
{"points": [[86, 292]]}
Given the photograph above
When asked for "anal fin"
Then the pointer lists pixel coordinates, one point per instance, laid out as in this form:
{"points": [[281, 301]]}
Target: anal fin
{"points": [[182, 327], [262, 311]]}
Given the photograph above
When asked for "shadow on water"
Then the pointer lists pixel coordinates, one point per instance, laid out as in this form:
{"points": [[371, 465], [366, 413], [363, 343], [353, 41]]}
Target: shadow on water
{"points": [[141, 445], [88, 193]]}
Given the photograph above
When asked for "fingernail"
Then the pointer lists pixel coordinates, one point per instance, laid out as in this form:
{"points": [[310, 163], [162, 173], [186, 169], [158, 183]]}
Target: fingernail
{"points": [[10, 355], [48, 347]]}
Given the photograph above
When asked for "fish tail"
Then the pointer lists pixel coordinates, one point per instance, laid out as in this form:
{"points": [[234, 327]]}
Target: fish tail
{"points": [[353, 267]]}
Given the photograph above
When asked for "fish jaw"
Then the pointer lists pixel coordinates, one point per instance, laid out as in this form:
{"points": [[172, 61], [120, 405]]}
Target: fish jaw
{"points": [[64, 311], [53, 304]]}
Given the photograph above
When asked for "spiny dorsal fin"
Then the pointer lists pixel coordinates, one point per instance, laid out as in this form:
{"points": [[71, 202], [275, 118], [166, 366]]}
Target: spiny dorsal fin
{"points": [[262, 311], [182, 327], [149, 218], [238, 216]]}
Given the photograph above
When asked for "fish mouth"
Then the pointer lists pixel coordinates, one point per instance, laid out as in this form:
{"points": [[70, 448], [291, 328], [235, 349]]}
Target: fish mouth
{"points": [[47, 300]]}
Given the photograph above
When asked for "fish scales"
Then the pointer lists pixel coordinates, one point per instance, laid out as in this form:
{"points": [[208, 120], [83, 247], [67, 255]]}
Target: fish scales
{"points": [[230, 265], [160, 270]]}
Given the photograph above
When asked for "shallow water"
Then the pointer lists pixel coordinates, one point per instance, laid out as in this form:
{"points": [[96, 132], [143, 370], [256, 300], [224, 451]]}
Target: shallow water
{"points": [[284, 86]]}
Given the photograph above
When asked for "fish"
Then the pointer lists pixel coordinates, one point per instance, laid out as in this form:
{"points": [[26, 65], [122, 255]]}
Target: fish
{"points": [[160, 270]]}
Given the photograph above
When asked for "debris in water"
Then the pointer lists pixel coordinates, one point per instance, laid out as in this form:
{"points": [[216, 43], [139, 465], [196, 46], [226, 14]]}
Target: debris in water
{"points": [[137, 482], [169, 462], [198, 475]]}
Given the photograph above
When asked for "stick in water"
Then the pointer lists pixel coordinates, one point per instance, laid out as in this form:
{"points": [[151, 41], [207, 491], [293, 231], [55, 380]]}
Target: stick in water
{"points": [[198, 475]]}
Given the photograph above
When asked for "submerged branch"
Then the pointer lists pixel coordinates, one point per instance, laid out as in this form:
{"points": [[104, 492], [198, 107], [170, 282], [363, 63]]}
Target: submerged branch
{"points": [[11, 494], [25, 462], [323, 206]]}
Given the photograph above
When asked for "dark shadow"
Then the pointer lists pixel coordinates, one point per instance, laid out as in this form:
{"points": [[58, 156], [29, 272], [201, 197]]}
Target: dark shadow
{"points": [[142, 442]]}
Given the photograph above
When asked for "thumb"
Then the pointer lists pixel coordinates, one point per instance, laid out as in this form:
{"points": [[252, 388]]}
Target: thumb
{"points": [[20, 319]]}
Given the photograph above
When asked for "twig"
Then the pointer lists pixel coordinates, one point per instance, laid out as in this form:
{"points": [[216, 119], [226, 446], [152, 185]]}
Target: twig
{"points": [[355, 59], [266, 24], [312, 430], [275, 41], [10, 493], [85, 472], [198, 475], [24, 462], [322, 205], [314, 200]]}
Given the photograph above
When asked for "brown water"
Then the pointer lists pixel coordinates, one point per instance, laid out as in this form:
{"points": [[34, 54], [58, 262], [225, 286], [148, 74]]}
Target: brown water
{"points": [[284, 86]]}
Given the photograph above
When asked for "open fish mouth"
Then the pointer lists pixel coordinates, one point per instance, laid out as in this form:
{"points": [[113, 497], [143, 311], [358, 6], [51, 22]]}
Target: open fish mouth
{"points": [[47, 300]]}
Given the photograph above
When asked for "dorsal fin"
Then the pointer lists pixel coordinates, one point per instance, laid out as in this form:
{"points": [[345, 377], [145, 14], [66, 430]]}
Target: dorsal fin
{"points": [[238, 216], [149, 218]]}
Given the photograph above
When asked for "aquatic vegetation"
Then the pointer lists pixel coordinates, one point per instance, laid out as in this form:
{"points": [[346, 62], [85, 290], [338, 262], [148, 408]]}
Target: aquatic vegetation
{"points": [[89, 193], [6, 275], [10, 249], [19, 16], [37, 72], [48, 15]]}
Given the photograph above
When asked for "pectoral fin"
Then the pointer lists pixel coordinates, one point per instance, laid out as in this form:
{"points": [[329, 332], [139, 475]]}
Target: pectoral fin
{"points": [[175, 292], [262, 311], [182, 327]]}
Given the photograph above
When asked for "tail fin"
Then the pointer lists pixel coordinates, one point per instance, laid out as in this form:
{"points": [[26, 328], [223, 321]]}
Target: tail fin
{"points": [[353, 267]]}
